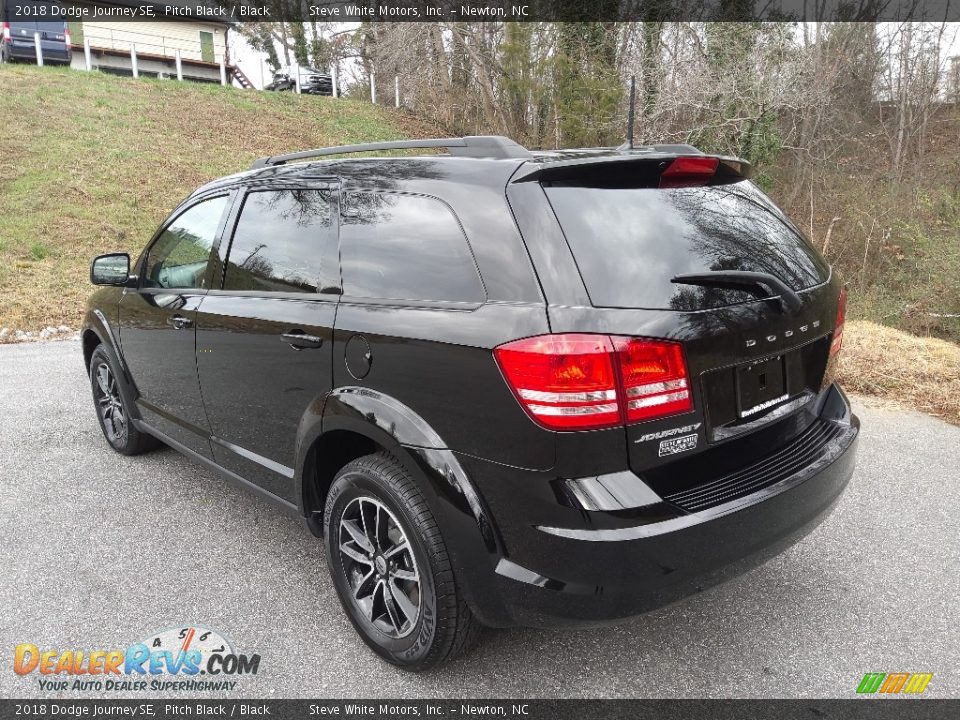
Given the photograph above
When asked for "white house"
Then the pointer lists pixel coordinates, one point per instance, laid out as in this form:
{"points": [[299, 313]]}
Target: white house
{"points": [[201, 44]]}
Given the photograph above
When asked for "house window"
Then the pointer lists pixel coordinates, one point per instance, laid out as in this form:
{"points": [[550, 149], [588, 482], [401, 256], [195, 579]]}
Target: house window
{"points": [[206, 46]]}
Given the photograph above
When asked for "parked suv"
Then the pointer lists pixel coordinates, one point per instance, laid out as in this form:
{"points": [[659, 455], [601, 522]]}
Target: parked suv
{"points": [[22, 21], [505, 387]]}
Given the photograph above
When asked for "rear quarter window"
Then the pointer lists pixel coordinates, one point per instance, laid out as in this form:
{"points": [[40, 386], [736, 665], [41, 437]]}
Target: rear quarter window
{"points": [[629, 242], [405, 248]]}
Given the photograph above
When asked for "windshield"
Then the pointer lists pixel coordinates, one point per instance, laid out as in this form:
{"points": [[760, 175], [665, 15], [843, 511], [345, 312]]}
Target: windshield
{"points": [[629, 242]]}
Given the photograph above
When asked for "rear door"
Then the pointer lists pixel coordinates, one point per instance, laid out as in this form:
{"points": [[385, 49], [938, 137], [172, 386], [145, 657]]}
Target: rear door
{"points": [[157, 321], [45, 18], [264, 338], [752, 358]]}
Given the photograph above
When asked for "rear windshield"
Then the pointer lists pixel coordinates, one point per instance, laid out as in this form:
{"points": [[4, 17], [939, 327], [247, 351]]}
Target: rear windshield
{"points": [[36, 15], [629, 242]]}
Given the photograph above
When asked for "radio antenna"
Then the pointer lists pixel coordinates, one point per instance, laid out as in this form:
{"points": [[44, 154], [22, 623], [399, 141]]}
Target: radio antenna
{"points": [[633, 99]]}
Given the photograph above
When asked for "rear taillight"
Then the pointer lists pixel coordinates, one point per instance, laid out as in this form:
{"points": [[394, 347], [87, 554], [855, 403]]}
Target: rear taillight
{"points": [[6, 32], [565, 382], [654, 378], [66, 36], [837, 342], [689, 171], [581, 382]]}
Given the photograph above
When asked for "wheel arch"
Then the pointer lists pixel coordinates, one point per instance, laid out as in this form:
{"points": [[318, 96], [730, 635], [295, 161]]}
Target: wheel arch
{"points": [[354, 422], [90, 340], [97, 330]]}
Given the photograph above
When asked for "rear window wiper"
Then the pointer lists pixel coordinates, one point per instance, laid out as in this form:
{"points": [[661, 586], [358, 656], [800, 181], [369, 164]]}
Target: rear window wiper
{"points": [[743, 278]]}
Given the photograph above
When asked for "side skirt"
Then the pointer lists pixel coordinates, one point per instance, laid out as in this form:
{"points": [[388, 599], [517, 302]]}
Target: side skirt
{"points": [[287, 508]]}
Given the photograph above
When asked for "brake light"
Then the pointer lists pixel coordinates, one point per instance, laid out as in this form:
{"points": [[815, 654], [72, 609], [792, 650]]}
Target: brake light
{"points": [[565, 382], [689, 171], [581, 382], [654, 378], [6, 32], [66, 36], [838, 328]]}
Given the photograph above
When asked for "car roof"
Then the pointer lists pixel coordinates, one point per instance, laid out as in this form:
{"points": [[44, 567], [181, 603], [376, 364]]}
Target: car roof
{"points": [[369, 170], [497, 158]]}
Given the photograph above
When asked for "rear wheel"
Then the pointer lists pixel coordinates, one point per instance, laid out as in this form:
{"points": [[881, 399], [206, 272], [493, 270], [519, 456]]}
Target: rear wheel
{"points": [[391, 568], [112, 410]]}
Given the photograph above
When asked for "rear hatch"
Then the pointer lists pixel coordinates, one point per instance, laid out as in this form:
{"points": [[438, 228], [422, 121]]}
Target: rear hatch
{"points": [[702, 257], [36, 16]]}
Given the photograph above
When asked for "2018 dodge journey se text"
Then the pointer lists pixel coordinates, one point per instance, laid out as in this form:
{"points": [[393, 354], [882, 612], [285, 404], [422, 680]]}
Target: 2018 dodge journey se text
{"points": [[506, 387]]}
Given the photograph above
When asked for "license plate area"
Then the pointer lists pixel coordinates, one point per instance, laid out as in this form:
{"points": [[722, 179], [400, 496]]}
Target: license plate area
{"points": [[760, 385], [731, 390]]}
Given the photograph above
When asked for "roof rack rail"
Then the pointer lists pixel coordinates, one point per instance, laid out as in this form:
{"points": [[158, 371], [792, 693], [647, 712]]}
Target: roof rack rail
{"points": [[479, 146]]}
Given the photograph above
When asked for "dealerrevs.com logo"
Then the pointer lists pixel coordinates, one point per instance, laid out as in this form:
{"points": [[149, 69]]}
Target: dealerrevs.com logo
{"points": [[189, 658]]}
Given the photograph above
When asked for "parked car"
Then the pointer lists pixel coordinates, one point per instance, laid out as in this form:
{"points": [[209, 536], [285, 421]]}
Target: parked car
{"points": [[507, 388], [22, 21], [312, 82]]}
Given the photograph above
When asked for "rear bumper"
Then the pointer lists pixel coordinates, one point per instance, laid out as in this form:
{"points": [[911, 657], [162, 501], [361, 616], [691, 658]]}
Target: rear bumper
{"points": [[27, 51], [580, 575]]}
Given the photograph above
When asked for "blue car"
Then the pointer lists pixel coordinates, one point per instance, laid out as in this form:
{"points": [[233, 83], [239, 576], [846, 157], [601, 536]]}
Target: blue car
{"points": [[35, 16]]}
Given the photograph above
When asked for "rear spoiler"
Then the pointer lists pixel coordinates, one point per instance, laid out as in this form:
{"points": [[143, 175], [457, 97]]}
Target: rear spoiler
{"points": [[648, 169]]}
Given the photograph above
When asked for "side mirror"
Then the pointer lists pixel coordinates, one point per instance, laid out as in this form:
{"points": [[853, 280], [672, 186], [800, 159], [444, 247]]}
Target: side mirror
{"points": [[111, 269]]}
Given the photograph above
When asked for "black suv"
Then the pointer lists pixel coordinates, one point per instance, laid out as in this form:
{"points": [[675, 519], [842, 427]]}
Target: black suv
{"points": [[505, 387]]}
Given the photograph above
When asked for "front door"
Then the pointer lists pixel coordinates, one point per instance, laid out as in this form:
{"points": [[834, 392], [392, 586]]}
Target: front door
{"points": [[158, 323], [264, 339]]}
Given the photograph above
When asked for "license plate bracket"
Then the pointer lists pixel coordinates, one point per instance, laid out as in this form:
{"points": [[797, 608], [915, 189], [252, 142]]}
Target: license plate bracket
{"points": [[761, 384]]}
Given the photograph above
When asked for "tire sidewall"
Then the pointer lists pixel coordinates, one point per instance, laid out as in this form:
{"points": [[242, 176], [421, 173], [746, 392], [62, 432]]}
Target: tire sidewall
{"points": [[103, 356], [415, 647]]}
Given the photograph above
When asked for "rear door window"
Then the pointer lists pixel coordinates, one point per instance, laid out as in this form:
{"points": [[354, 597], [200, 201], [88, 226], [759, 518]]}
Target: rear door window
{"points": [[405, 247], [629, 242], [285, 241]]}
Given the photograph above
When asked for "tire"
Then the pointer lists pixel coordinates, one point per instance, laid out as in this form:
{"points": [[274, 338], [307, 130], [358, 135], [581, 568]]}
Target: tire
{"points": [[112, 408], [373, 506]]}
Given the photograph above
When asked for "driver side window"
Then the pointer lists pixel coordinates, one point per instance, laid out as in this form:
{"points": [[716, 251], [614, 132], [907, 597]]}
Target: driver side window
{"points": [[179, 257]]}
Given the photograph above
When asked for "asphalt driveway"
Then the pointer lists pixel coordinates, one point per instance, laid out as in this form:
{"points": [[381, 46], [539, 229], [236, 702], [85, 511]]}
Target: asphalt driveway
{"points": [[98, 551]]}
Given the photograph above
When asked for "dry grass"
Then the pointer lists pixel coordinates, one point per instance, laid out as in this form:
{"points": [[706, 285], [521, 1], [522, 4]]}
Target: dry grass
{"points": [[920, 372], [92, 163]]}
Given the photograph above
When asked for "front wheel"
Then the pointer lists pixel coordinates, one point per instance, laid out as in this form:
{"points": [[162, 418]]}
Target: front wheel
{"points": [[112, 408], [390, 566]]}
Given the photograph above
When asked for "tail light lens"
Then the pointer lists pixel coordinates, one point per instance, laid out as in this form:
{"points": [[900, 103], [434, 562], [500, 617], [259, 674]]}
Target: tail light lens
{"points": [[66, 36], [6, 31], [837, 342], [581, 382], [565, 382], [654, 378]]}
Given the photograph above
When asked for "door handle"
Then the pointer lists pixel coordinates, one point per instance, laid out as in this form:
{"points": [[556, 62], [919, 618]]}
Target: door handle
{"points": [[179, 322], [299, 340]]}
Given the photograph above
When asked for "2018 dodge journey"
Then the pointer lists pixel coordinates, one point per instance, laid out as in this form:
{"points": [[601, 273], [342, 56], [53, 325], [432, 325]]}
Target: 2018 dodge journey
{"points": [[506, 387]]}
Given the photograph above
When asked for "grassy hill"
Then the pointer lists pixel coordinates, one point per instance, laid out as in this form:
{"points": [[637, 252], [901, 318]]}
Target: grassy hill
{"points": [[93, 163]]}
